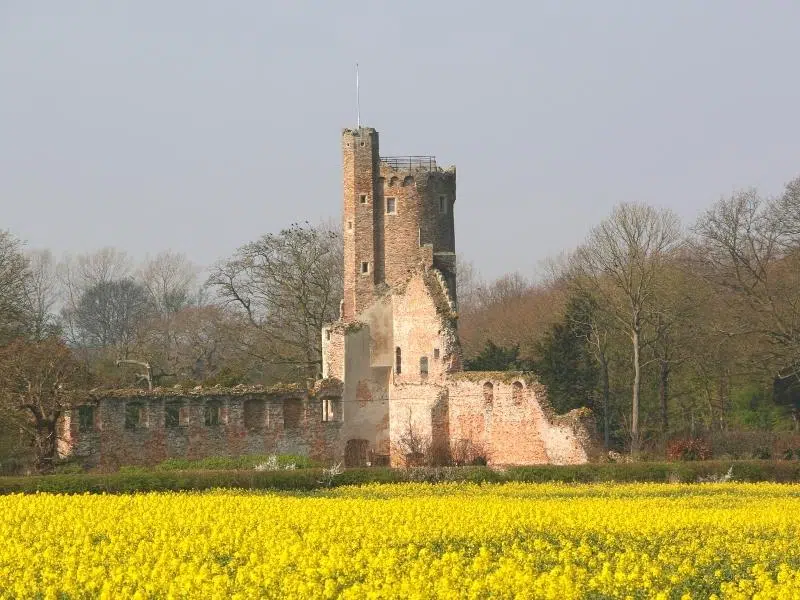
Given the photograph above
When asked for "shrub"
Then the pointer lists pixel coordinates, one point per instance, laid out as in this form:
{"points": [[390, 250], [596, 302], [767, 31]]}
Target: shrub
{"points": [[227, 463], [688, 449]]}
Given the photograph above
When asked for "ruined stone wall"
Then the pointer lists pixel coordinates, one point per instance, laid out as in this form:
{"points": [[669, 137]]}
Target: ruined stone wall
{"points": [[421, 332], [280, 422], [333, 351], [506, 414], [365, 399], [418, 411]]}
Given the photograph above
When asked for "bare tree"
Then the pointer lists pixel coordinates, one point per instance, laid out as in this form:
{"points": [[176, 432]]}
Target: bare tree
{"points": [[38, 382], [171, 281], [110, 314], [41, 295], [749, 247], [79, 273], [619, 263], [13, 281], [286, 287]]}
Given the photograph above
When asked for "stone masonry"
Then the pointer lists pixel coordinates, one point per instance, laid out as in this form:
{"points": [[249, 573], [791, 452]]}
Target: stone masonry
{"points": [[392, 390]]}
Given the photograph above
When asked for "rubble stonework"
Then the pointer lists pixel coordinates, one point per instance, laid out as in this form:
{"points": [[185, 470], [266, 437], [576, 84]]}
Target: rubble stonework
{"points": [[393, 389]]}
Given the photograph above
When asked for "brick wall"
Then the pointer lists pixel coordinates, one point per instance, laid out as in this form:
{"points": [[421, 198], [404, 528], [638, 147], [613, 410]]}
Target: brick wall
{"points": [[111, 442], [512, 425]]}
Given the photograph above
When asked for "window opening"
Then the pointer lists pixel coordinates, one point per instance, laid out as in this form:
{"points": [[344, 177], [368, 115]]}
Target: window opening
{"points": [[436, 353], [391, 206], [423, 366], [172, 415], [364, 268], [254, 413], [443, 204], [332, 409], [398, 361], [349, 225], [133, 416], [292, 413], [363, 198], [488, 394], [85, 418], [516, 393], [212, 413]]}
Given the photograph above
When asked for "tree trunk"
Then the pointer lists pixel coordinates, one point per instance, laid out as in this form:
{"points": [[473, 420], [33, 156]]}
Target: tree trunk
{"points": [[637, 376], [606, 398], [45, 445], [663, 394]]}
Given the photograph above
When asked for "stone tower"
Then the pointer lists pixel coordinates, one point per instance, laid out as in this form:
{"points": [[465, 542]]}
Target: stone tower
{"points": [[398, 213]]}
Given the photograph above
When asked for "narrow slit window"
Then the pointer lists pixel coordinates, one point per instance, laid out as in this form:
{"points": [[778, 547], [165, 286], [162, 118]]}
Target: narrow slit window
{"points": [[423, 366], [391, 206], [398, 361], [436, 353], [364, 268], [443, 204]]}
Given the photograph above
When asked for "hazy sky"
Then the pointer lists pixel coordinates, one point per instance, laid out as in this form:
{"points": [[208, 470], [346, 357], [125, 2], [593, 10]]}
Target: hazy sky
{"points": [[197, 126]]}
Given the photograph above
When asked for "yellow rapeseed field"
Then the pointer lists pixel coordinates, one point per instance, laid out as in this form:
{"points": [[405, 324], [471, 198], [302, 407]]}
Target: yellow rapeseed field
{"points": [[408, 541]]}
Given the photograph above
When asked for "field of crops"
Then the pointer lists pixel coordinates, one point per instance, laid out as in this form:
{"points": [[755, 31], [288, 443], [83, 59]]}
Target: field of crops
{"points": [[409, 541]]}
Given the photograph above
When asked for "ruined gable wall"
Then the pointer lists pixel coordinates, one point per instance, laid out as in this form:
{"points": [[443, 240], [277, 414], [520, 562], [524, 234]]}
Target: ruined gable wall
{"points": [[512, 425], [420, 330]]}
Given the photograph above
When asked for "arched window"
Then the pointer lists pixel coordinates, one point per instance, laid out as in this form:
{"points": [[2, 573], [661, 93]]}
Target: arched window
{"points": [[516, 393], [488, 394], [408, 180], [392, 181], [423, 366], [398, 361]]}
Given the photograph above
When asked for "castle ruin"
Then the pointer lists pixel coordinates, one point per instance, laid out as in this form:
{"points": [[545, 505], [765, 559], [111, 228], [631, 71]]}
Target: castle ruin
{"points": [[392, 391]]}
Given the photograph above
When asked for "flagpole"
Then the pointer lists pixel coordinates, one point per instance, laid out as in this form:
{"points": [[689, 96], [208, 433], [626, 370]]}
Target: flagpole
{"points": [[358, 101]]}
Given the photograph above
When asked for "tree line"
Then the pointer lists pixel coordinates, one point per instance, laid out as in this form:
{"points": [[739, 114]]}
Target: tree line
{"points": [[98, 320], [663, 329]]}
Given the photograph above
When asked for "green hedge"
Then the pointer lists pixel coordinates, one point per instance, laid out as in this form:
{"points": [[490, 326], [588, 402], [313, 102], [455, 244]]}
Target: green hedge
{"points": [[315, 478]]}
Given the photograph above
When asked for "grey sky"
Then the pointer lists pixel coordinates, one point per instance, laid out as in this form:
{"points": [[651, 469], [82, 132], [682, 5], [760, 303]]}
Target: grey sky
{"points": [[198, 126]]}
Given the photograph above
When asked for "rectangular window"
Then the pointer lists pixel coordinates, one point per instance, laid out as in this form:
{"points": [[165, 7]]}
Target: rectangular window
{"points": [[254, 413], [391, 206], [364, 268], [436, 353], [423, 366], [133, 416], [85, 418], [443, 204], [349, 225], [212, 414], [363, 198], [172, 416], [332, 409], [292, 413]]}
